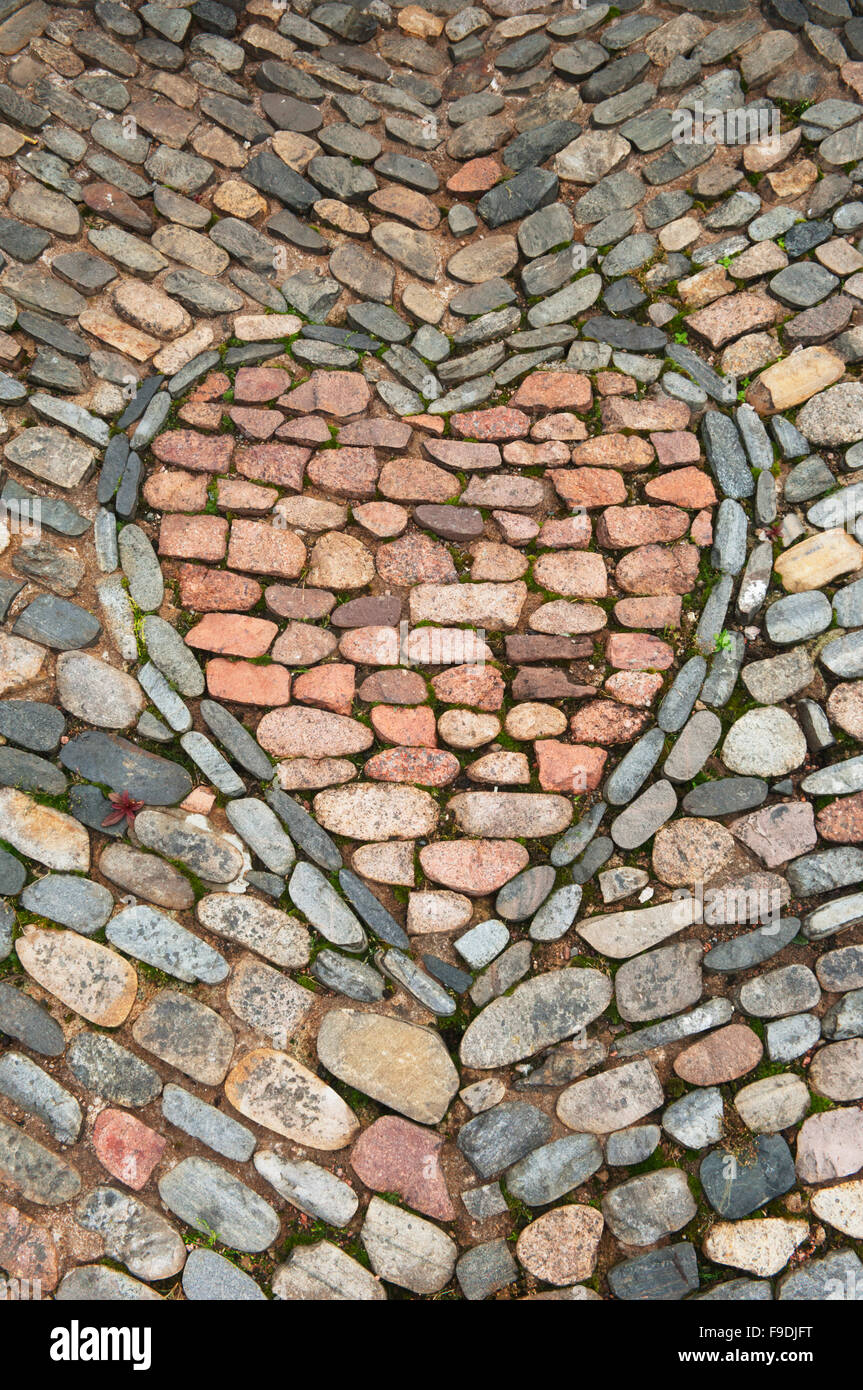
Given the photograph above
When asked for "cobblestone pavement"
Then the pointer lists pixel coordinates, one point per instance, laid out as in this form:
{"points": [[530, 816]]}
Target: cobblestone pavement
{"points": [[431, 650]]}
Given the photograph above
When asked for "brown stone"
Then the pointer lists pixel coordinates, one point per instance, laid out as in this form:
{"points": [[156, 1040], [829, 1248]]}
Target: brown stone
{"points": [[659, 612], [685, 487], [393, 688], [416, 559], [235, 495], [200, 415], [691, 850], [842, 821], [627, 452], [652, 569], [171, 491], [248, 684], [474, 867], [381, 519], [816, 561], [127, 1147], [606, 722], [255, 424], [651, 413], [334, 393], [561, 1246], [621, 527], [562, 425], [547, 683], [638, 688], [304, 604], [394, 1155], [279, 464], [570, 767], [674, 447], [793, 380], [302, 732], [408, 727], [339, 561], [232, 634], [307, 429], [380, 434], [476, 176], [550, 390], [523, 648], [588, 487], [303, 644], [479, 687], [500, 422], [27, 1249], [573, 573], [350, 472], [845, 707], [723, 1056], [417, 480], [196, 451], [263, 549], [573, 532], [329, 687], [109, 201], [407, 204], [727, 318], [216, 590], [193, 537], [638, 651], [526, 455], [427, 767]]}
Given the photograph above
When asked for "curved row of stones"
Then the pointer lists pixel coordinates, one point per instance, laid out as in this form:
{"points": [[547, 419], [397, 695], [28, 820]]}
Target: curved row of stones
{"points": [[432, 658]]}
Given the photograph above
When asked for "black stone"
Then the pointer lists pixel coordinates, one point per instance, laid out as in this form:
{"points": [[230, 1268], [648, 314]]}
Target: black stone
{"points": [[136, 407], [449, 975], [726, 796], [57, 623], [516, 198], [287, 113], [23, 242], [32, 725], [737, 1184], [90, 807], [113, 463], [372, 912], [56, 335], [27, 1022], [663, 1276], [12, 875], [631, 337], [303, 828], [114, 762]]}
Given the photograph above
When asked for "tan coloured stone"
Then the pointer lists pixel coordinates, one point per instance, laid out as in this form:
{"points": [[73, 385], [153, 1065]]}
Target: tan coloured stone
{"points": [[42, 833], [561, 1246], [91, 979], [475, 867], [818, 560], [377, 811], [403, 1066], [273, 1090], [793, 380], [762, 1247]]}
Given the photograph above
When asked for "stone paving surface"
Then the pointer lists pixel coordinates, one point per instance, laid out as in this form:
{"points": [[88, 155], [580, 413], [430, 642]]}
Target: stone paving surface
{"points": [[431, 661]]}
